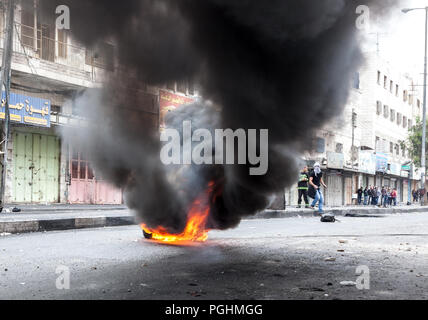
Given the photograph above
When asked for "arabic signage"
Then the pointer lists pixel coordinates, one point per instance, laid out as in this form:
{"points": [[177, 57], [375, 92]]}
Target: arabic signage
{"points": [[381, 162], [367, 163], [27, 110], [395, 169], [335, 160], [169, 101]]}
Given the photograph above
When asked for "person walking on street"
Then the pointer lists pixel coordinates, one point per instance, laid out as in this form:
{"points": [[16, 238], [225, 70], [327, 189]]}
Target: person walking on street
{"points": [[302, 187], [382, 196], [370, 192], [315, 181], [415, 195], [394, 197], [385, 197], [366, 196], [360, 195]]}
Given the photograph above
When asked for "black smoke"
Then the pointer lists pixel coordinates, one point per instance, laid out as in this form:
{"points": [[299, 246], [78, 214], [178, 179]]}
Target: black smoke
{"points": [[282, 65]]}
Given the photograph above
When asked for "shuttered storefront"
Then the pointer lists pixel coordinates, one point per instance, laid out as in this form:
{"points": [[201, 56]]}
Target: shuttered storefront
{"points": [[36, 168], [334, 190]]}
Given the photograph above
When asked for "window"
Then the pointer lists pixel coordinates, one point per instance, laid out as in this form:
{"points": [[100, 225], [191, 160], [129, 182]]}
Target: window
{"points": [[320, 145], [102, 56], [397, 90], [410, 99], [391, 86], [181, 86], [62, 43], [397, 149], [391, 148], [392, 115], [405, 95], [404, 121], [399, 118], [403, 151], [171, 85], [356, 81], [191, 87], [418, 103], [378, 107], [339, 148], [385, 111], [385, 81], [27, 24], [410, 125], [55, 109], [378, 77], [377, 144]]}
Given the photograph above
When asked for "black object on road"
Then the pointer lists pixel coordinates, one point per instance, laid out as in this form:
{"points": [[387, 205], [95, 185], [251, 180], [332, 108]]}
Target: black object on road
{"points": [[16, 209], [328, 218]]}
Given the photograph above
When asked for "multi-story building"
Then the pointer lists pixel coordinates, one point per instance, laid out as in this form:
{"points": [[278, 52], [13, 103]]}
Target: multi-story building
{"points": [[362, 147], [49, 68]]}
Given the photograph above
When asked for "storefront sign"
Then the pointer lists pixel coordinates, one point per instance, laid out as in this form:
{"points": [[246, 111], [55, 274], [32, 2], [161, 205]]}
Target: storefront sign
{"points": [[169, 101], [27, 110], [335, 160], [367, 163], [395, 169], [381, 162]]}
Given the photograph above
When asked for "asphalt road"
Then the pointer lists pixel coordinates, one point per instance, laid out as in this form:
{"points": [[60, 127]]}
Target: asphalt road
{"points": [[293, 258]]}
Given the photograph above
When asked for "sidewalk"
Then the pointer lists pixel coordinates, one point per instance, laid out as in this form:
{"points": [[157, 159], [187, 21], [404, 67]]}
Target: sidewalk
{"points": [[39, 218]]}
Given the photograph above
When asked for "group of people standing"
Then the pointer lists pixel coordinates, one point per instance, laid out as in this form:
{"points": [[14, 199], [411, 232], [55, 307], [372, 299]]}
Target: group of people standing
{"points": [[377, 196], [418, 195]]}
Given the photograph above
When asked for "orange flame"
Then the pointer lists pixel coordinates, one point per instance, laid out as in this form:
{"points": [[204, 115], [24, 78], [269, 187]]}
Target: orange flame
{"points": [[196, 220]]}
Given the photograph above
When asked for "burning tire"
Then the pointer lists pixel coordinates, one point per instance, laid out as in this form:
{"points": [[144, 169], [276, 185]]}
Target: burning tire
{"points": [[147, 235]]}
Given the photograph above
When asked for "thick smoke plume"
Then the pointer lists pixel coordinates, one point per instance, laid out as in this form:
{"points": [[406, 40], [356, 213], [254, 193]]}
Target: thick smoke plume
{"points": [[282, 65]]}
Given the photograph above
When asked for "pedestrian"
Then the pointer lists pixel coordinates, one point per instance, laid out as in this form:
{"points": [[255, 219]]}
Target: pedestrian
{"points": [[302, 187], [394, 197], [315, 181], [378, 196], [382, 196], [389, 198], [370, 192], [385, 197], [366, 195], [360, 195], [415, 195], [374, 196]]}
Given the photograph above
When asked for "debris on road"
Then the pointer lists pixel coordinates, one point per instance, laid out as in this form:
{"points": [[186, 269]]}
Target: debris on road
{"points": [[330, 259], [348, 283]]}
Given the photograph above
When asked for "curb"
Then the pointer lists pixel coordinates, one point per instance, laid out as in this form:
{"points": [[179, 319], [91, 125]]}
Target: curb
{"points": [[64, 224], [44, 225], [275, 214]]}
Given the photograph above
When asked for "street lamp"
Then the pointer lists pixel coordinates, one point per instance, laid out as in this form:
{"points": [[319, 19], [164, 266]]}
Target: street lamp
{"points": [[424, 119]]}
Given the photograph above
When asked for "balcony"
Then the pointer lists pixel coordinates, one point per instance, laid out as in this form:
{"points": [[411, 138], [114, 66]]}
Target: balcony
{"points": [[37, 53]]}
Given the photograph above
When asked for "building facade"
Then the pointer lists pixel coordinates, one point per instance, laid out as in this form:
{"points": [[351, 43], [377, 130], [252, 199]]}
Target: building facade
{"points": [[49, 69], [362, 147]]}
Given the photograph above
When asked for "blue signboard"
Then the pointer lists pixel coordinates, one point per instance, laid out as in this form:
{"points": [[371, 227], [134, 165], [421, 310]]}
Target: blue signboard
{"points": [[27, 110], [381, 162]]}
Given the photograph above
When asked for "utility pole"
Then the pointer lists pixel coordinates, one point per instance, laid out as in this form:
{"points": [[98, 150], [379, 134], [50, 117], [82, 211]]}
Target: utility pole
{"points": [[5, 76], [424, 109]]}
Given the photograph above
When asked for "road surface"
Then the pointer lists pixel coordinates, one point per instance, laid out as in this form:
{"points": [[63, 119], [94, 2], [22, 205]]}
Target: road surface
{"points": [[293, 258]]}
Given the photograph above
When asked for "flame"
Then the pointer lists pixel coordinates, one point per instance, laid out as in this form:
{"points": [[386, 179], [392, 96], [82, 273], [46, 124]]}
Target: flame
{"points": [[195, 229]]}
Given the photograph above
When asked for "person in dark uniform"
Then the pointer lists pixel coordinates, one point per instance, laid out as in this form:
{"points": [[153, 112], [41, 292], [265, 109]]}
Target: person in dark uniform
{"points": [[302, 187]]}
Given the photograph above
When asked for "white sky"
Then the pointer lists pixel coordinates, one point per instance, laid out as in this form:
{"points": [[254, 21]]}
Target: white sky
{"points": [[401, 37]]}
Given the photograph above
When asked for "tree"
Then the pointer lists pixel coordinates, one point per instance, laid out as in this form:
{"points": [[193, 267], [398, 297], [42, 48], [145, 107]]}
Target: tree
{"points": [[413, 143]]}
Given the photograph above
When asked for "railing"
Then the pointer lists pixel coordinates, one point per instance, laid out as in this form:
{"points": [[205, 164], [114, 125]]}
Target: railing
{"points": [[45, 48]]}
